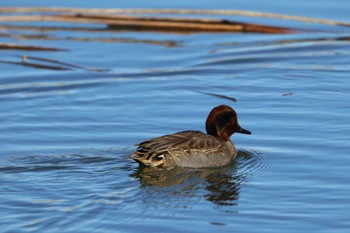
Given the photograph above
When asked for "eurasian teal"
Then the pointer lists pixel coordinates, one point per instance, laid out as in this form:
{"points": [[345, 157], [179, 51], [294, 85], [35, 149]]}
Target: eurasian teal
{"points": [[194, 148]]}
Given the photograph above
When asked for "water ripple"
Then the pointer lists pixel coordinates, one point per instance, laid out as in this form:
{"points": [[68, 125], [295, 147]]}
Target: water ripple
{"points": [[222, 185]]}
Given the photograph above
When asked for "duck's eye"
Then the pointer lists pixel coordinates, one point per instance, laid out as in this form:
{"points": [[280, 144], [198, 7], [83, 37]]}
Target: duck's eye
{"points": [[159, 157]]}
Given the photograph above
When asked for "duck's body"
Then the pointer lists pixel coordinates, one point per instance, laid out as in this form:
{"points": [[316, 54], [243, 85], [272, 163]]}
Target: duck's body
{"points": [[194, 148], [185, 149]]}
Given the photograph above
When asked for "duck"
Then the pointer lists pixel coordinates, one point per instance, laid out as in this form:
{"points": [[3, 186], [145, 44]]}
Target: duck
{"points": [[194, 149]]}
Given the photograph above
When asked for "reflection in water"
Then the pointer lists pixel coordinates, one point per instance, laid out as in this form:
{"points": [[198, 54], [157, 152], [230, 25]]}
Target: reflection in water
{"points": [[221, 185]]}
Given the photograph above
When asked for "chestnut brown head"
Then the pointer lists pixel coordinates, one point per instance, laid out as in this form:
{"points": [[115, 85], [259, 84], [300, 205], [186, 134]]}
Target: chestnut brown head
{"points": [[222, 122]]}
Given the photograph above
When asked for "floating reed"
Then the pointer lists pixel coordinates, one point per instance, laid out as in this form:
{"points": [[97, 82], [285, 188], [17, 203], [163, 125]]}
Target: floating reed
{"points": [[171, 11], [220, 96], [34, 65], [117, 19], [26, 58], [153, 23], [27, 47]]}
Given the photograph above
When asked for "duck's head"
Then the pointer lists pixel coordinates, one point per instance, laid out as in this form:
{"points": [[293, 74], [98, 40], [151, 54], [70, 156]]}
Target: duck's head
{"points": [[222, 122]]}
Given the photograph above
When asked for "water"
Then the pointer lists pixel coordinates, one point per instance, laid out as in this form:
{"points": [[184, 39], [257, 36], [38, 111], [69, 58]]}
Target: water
{"points": [[66, 135]]}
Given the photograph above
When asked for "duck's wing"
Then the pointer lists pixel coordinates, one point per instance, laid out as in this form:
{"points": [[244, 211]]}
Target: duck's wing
{"points": [[151, 151]]}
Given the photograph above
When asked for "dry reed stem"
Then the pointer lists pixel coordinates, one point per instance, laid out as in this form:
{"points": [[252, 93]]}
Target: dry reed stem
{"points": [[171, 11], [34, 65], [26, 58], [154, 23], [28, 47], [220, 96]]}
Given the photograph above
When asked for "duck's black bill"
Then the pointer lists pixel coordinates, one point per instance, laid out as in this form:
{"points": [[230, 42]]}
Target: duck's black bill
{"points": [[241, 130]]}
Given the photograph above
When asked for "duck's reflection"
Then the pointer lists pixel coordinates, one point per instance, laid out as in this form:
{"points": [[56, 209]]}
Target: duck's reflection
{"points": [[218, 185]]}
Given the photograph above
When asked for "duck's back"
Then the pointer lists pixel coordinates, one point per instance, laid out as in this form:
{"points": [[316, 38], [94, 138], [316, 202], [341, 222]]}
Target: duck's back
{"points": [[186, 149]]}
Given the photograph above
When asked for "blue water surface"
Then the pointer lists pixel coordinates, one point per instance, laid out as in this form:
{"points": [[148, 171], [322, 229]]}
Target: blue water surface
{"points": [[66, 136]]}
